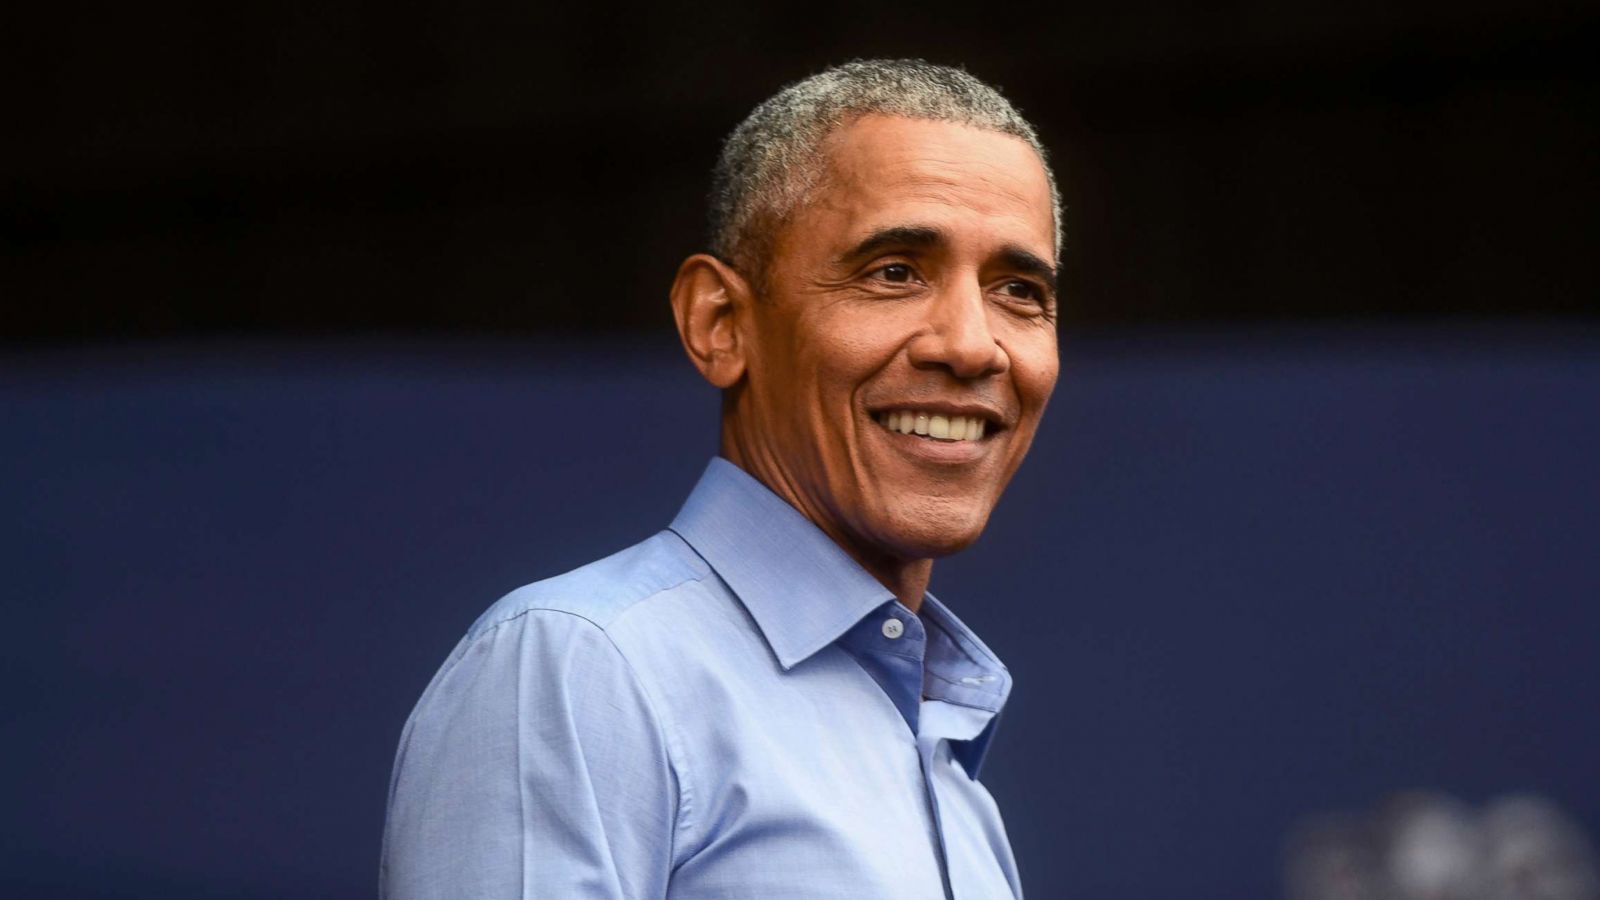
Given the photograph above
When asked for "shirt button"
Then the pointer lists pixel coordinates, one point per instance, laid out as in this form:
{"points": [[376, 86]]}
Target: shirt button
{"points": [[893, 628]]}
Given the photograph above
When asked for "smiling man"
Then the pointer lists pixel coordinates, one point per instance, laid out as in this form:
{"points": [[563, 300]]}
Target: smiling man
{"points": [[763, 700]]}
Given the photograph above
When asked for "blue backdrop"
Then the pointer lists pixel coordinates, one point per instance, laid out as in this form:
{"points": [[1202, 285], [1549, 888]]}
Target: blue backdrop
{"points": [[1245, 576]]}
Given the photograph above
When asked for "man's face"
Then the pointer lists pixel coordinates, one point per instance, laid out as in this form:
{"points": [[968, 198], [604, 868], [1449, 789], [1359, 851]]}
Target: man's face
{"points": [[911, 292]]}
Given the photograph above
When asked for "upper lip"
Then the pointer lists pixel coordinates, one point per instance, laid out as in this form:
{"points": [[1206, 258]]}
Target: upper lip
{"points": [[989, 414]]}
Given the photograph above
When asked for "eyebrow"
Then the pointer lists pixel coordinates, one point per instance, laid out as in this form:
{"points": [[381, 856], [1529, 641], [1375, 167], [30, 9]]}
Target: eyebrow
{"points": [[1028, 263], [915, 236], [921, 237]]}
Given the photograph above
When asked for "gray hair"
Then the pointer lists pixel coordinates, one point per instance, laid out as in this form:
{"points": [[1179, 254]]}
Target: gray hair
{"points": [[773, 159]]}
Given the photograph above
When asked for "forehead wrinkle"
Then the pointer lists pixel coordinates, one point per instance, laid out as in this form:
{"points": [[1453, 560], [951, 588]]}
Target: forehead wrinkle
{"points": [[1011, 204], [945, 184], [922, 172], [854, 173]]}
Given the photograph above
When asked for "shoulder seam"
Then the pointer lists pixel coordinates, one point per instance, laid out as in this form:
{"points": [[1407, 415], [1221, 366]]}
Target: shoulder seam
{"points": [[676, 756], [478, 630]]}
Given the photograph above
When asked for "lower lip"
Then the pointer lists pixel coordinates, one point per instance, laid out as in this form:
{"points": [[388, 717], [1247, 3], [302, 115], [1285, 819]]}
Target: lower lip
{"points": [[934, 450]]}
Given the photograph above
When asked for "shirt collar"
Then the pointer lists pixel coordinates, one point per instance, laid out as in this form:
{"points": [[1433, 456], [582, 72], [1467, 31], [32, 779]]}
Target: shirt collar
{"points": [[960, 668], [769, 554]]}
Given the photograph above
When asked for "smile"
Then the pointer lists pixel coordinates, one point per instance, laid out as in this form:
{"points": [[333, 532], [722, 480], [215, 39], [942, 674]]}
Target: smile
{"points": [[937, 427]]}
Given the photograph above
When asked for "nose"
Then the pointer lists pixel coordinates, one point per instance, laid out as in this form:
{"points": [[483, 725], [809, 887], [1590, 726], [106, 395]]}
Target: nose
{"points": [[957, 337]]}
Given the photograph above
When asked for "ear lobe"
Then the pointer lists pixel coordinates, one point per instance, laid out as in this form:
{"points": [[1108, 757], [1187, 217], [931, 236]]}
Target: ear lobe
{"points": [[709, 303]]}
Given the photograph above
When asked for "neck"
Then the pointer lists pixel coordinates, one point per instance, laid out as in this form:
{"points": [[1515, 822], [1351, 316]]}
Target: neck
{"points": [[909, 583], [907, 579]]}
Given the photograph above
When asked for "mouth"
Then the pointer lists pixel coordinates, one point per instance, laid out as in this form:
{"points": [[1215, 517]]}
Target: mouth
{"points": [[935, 426]]}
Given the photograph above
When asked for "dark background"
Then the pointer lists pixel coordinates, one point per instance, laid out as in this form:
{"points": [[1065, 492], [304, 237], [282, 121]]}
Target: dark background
{"points": [[323, 328], [251, 167]]}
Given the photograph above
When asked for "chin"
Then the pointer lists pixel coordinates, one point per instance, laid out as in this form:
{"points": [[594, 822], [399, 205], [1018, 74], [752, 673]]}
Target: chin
{"points": [[935, 529]]}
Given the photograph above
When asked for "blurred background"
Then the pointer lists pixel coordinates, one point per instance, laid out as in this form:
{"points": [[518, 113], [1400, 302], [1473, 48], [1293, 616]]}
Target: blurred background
{"points": [[322, 328]]}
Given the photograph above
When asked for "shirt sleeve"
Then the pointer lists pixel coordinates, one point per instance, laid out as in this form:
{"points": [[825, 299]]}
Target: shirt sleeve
{"points": [[533, 767]]}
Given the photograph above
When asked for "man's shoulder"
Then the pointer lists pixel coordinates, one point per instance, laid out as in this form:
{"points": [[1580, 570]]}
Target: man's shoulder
{"points": [[606, 589]]}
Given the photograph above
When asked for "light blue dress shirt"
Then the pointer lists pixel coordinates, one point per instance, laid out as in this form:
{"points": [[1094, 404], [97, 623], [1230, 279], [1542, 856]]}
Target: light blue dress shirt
{"points": [[731, 709]]}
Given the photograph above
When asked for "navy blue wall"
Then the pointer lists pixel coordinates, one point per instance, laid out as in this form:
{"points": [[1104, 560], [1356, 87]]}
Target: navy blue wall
{"points": [[1244, 577]]}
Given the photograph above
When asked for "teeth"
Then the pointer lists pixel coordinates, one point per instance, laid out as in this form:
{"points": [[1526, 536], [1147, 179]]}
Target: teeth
{"points": [[938, 427]]}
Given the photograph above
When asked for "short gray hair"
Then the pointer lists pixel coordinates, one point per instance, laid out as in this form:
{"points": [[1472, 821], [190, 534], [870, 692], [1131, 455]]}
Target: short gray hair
{"points": [[773, 159]]}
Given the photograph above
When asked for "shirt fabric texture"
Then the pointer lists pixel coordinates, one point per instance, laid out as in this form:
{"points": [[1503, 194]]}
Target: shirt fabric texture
{"points": [[733, 708]]}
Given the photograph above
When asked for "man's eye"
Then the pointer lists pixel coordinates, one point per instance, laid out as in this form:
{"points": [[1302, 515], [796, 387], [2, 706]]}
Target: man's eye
{"points": [[1024, 290], [898, 273]]}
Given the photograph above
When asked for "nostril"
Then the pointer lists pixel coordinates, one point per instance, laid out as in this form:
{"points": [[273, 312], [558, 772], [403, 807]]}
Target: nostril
{"points": [[961, 355]]}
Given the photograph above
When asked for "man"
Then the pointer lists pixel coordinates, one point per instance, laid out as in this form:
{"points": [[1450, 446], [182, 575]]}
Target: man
{"points": [[763, 701]]}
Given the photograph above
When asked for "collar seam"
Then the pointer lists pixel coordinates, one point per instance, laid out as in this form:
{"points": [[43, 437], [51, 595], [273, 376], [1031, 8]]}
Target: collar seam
{"points": [[972, 688], [985, 661]]}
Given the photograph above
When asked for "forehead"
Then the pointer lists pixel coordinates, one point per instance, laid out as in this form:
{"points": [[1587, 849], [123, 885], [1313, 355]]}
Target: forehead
{"points": [[891, 171]]}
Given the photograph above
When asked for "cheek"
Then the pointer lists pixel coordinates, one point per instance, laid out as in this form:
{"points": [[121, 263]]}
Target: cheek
{"points": [[815, 397], [1045, 384], [848, 351], [1034, 367]]}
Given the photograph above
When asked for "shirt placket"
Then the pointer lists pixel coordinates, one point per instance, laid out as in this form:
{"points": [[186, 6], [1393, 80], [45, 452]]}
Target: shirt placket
{"points": [[942, 725], [891, 647]]}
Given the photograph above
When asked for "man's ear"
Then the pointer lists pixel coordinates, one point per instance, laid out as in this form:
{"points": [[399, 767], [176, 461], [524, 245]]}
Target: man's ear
{"points": [[711, 304]]}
